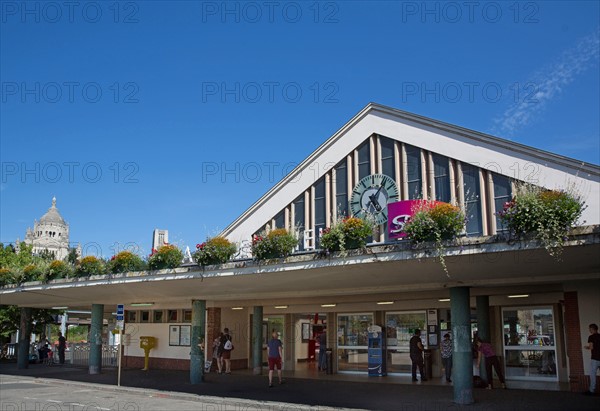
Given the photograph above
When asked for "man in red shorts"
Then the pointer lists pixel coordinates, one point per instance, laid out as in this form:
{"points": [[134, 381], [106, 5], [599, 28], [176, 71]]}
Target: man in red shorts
{"points": [[274, 348]]}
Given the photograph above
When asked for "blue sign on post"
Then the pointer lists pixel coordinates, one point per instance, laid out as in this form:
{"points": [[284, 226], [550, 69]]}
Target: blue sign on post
{"points": [[120, 316]]}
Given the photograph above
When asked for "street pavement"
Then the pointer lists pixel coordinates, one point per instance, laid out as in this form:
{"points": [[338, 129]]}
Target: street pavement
{"points": [[43, 388]]}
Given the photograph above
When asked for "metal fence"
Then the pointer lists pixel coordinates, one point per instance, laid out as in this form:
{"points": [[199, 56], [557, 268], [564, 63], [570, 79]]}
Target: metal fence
{"points": [[80, 354]]}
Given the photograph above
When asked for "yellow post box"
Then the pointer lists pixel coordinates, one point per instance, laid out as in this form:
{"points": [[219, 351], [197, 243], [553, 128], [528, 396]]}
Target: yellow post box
{"points": [[147, 343]]}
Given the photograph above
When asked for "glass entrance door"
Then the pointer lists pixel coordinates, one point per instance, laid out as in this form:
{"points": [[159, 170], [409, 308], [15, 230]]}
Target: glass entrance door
{"points": [[529, 343], [400, 327], [352, 338]]}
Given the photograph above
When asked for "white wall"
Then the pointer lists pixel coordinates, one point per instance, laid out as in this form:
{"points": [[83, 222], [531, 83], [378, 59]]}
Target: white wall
{"points": [[162, 349], [238, 322]]}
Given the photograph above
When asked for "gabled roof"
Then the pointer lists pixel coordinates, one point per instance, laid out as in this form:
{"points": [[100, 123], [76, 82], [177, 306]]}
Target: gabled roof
{"points": [[468, 146]]}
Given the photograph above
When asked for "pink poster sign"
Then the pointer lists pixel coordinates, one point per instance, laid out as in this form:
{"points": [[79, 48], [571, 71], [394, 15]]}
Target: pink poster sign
{"points": [[398, 214]]}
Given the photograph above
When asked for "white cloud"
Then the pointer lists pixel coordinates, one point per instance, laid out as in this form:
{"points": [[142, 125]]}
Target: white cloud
{"points": [[549, 82]]}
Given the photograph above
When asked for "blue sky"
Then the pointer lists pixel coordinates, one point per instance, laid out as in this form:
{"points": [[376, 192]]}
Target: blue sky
{"points": [[179, 115]]}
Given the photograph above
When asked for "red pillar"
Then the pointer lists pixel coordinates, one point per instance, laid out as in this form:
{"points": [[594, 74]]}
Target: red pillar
{"points": [[578, 381]]}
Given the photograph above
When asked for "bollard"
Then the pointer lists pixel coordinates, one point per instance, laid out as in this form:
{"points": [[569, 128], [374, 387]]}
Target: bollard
{"points": [[329, 358]]}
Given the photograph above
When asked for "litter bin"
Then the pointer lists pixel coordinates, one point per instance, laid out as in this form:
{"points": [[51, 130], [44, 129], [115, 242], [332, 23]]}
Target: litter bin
{"points": [[427, 364], [329, 358]]}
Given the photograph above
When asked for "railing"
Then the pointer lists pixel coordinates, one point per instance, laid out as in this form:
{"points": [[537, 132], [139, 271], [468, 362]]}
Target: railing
{"points": [[9, 351], [80, 355]]}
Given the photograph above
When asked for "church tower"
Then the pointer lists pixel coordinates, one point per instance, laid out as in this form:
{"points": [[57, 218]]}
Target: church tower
{"points": [[50, 233]]}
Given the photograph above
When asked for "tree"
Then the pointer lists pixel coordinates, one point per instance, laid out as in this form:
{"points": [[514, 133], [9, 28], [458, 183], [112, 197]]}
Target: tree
{"points": [[10, 315]]}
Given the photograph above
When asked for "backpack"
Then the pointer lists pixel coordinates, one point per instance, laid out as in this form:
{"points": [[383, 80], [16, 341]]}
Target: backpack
{"points": [[228, 345]]}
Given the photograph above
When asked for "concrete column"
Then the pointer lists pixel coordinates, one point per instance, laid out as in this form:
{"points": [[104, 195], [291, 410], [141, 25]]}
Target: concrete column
{"points": [[257, 339], [197, 354], [289, 342], [24, 338], [462, 357], [63, 323], [95, 361], [332, 339], [483, 326]]}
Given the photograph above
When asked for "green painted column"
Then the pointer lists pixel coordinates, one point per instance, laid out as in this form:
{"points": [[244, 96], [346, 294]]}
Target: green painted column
{"points": [[24, 338], [483, 326], [257, 339], [462, 357], [197, 354], [95, 361]]}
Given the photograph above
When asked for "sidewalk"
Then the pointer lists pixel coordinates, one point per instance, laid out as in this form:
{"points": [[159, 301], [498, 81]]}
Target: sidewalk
{"points": [[331, 393]]}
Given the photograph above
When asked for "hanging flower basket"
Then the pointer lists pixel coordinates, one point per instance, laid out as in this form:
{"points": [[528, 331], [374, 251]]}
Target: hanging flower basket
{"points": [[276, 244], [216, 250], [435, 222], [167, 256], [545, 215], [348, 234]]}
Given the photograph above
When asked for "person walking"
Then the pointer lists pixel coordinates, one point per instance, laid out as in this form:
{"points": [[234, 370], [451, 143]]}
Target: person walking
{"points": [[447, 356], [62, 346], [227, 347], [594, 346], [217, 353], [323, 350], [416, 355], [275, 349], [487, 352]]}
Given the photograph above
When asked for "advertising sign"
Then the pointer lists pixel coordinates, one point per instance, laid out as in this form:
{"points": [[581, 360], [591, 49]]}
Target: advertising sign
{"points": [[398, 215]]}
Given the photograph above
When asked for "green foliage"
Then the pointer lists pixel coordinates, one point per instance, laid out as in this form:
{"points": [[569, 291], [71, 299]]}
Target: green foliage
{"points": [[276, 244], [548, 215], [436, 222], [10, 319], [167, 256], [216, 250], [125, 261], [350, 233], [30, 272], [89, 266], [72, 257], [6, 277], [56, 269]]}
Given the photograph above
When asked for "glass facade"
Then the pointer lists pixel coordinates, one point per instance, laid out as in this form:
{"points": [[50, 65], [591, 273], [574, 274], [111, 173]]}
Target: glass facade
{"points": [[414, 175], [388, 157], [400, 327], [352, 341], [280, 220], [502, 194], [441, 176], [299, 220], [341, 189], [529, 343], [319, 206], [472, 190], [364, 160]]}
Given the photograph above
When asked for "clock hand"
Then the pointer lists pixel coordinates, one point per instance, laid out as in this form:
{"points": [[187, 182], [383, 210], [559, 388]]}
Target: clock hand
{"points": [[374, 201]]}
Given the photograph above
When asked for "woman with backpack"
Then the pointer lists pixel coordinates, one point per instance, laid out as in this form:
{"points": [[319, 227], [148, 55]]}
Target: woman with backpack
{"points": [[226, 348]]}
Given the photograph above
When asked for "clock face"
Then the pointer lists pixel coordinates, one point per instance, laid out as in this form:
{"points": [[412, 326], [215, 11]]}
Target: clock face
{"points": [[371, 196]]}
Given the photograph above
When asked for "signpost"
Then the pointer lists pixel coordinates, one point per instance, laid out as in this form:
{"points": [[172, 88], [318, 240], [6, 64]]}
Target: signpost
{"points": [[120, 326]]}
